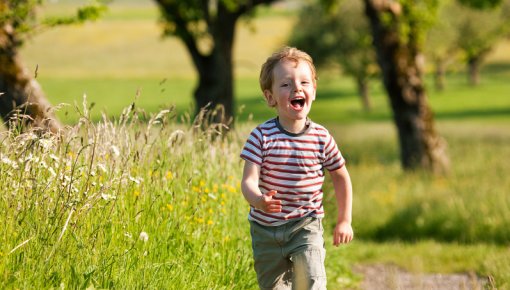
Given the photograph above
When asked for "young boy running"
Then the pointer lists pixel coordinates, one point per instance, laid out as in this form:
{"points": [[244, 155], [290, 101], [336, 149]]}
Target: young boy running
{"points": [[285, 160]]}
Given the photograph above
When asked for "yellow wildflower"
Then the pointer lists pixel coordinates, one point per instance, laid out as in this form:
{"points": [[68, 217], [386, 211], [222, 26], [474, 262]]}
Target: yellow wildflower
{"points": [[170, 207], [210, 222], [169, 175]]}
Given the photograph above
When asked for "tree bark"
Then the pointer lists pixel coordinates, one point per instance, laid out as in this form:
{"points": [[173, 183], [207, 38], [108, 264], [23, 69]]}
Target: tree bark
{"points": [[474, 63], [22, 101], [215, 88], [439, 74], [363, 92], [420, 145]]}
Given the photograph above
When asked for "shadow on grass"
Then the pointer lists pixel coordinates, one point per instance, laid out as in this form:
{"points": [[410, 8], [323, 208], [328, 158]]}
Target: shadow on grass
{"points": [[432, 219], [476, 113], [499, 68]]}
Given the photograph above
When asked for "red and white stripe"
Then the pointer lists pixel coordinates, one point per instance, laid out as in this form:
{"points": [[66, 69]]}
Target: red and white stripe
{"points": [[293, 165]]}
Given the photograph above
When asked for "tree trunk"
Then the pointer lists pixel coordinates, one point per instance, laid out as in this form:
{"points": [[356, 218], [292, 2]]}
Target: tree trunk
{"points": [[216, 79], [22, 101], [420, 145], [363, 92], [474, 63], [439, 74]]}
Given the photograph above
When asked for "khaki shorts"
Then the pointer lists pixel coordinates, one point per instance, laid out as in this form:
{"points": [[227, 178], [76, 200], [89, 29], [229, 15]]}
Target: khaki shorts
{"points": [[290, 256]]}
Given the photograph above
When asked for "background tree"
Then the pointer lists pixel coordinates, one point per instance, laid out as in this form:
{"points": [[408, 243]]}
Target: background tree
{"points": [[440, 45], [398, 31], [479, 29], [22, 100], [341, 36], [207, 29]]}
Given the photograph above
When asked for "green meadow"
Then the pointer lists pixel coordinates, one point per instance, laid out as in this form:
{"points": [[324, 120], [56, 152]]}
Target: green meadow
{"points": [[132, 197]]}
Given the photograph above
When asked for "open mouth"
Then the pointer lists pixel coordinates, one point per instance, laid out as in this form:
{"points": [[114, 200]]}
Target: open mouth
{"points": [[297, 103]]}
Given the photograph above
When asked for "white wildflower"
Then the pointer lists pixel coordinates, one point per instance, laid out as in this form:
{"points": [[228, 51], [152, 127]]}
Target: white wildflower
{"points": [[52, 172], [108, 196], [46, 143], [144, 237], [102, 167], [115, 150], [128, 235], [31, 136], [54, 157], [135, 180], [9, 162]]}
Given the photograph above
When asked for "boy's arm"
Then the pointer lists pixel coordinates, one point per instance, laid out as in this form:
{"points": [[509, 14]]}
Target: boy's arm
{"points": [[251, 191], [343, 191]]}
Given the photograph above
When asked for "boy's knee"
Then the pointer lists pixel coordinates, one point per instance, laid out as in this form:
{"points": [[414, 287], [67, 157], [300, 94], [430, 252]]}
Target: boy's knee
{"points": [[309, 270]]}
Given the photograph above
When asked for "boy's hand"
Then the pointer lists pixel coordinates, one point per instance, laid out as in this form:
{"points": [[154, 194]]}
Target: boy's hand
{"points": [[343, 233], [266, 203]]}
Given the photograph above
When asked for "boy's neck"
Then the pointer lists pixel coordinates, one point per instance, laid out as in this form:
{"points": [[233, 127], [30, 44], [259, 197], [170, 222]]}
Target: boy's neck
{"points": [[295, 126]]}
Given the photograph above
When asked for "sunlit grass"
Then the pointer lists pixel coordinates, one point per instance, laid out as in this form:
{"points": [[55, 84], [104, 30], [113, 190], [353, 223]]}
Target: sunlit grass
{"points": [[155, 203], [123, 204]]}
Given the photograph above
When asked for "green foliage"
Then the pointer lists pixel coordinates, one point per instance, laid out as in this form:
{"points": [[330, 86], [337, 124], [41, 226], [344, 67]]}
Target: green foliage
{"points": [[23, 17], [480, 30], [442, 36], [416, 18], [91, 12], [340, 37]]}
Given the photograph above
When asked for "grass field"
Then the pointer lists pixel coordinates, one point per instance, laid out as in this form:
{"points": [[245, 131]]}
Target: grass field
{"points": [[128, 204]]}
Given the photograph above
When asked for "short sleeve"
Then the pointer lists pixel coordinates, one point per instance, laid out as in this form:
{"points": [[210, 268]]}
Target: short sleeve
{"points": [[333, 159], [252, 150]]}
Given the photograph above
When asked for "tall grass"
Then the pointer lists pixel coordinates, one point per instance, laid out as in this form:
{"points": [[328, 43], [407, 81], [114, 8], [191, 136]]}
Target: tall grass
{"points": [[123, 204], [144, 201]]}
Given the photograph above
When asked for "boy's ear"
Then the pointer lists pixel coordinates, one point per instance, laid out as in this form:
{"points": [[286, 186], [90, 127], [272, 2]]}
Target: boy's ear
{"points": [[271, 102]]}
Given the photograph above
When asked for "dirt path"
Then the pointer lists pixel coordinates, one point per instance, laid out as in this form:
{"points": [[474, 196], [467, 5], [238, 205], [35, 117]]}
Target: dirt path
{"points": [[388, 277]]}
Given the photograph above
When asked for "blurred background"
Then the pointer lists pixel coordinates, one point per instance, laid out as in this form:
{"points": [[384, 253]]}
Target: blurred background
{"points": [[442, 207]]}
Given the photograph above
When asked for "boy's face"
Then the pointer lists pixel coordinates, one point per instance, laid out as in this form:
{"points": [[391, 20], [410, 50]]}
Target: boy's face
{"points": [[293, 90]]}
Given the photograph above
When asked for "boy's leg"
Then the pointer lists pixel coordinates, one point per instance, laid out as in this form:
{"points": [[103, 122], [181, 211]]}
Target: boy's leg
{"points": [[274, 271], [307, 254]]}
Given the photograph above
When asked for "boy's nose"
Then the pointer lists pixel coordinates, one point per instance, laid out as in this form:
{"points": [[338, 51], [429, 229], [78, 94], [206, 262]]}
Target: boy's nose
{"points": [[297, 87]]}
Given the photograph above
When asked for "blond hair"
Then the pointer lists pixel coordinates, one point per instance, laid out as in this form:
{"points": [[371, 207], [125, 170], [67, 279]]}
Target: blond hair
{"points": [[287, 53]]}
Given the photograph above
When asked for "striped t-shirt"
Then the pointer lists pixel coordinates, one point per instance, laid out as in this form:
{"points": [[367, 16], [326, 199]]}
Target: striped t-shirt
{"points": [[293, 165]]}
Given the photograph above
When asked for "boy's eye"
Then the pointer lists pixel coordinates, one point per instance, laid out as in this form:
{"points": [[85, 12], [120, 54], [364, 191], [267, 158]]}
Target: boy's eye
{"points": [[284, 85]]}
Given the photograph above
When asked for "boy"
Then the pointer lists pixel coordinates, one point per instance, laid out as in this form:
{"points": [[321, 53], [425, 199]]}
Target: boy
{"points": [[285, 158]]}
